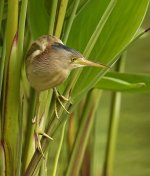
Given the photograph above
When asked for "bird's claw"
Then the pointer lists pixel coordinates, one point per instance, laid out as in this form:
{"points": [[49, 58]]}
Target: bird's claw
{"points": [[33, 120], [58, 96], [45, 135], [38, 143], [62, 105]]}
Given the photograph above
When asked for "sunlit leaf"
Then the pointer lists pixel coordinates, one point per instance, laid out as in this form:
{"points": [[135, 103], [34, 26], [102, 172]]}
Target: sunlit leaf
{"points": [[125, 82]]}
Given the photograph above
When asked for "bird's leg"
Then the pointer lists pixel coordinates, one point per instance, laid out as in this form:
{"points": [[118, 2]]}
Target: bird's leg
{"points": [[58, 99], [38, 132], [36, 121], [62, 97]]}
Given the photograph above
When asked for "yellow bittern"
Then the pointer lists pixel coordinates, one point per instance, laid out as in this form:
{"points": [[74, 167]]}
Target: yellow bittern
{"points": [[49, 63]]}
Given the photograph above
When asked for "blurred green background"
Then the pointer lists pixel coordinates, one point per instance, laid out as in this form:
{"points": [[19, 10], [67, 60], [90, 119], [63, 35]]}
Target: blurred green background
{"points": [[133, 144]]}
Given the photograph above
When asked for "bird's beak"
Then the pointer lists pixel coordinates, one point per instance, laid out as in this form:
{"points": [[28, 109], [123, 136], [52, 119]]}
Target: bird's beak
{"points": [[85, 62]]}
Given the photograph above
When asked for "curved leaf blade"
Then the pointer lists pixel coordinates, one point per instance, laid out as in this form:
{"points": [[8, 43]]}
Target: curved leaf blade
{"points": [[125, 82]]}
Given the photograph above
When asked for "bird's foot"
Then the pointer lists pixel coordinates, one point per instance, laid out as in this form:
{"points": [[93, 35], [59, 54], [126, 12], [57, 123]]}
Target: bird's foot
{"points": [[38, 140], [62, 105], [65, 98], [58, 96]]}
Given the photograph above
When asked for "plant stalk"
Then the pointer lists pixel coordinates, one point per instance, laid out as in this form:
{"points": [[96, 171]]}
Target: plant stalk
{"points": [[84, 131], [70, 21], [113, 124], [59, 150], [11, 92], [29, 137], [3, 49], [1, 12], [61, 16], [52, 16]]}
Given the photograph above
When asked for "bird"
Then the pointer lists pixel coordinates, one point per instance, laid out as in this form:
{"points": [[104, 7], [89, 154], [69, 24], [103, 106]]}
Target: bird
{"points": [[48, 64]]}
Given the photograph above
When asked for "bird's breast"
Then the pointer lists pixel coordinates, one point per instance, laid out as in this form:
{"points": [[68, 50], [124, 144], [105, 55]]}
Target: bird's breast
{"points": [[57, 78], [46, 80]]}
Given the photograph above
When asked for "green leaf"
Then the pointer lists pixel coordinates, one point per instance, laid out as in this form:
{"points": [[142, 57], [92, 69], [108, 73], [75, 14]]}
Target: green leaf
{"points": [[125, 82], [11, 91], [38, 18], [115, 36]]}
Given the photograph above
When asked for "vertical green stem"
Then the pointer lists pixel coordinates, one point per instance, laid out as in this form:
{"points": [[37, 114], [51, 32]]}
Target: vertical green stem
{"points": [[43, 169], [113, 125], [1, 12], [20, 143], [113, 128], [71, 19], [52, 16], [61, 16], [3, 50], [2, 63], [2, 160], [59, 150], [11, 92], [83, 133], [21, 30], [29, 138]]}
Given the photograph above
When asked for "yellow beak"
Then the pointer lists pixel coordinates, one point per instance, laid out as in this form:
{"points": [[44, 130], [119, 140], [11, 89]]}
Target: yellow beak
{"points": [[85, 62]]}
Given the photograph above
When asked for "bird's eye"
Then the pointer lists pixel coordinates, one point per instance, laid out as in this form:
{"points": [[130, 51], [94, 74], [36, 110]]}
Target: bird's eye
{"points": [[73, 59]]}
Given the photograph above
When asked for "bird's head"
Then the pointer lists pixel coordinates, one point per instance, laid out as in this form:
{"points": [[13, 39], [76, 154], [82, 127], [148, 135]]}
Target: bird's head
{"points": [[61, 55], [71, 58]]}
